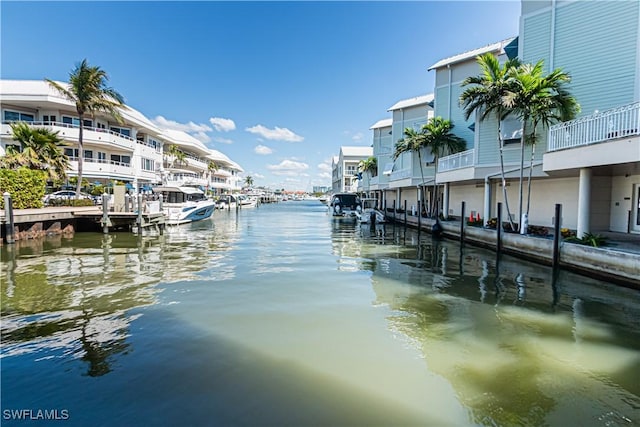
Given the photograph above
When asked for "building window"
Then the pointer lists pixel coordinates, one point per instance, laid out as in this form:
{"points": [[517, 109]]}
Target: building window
{"points": [[511, 130], [102, 157], [147, 164], [72, 153], [49, 119], [124, 160], [121, 131], [88, 154], [15, 116]]}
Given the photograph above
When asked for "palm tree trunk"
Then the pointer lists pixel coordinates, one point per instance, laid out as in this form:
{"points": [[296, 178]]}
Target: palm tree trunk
{"points": [[521, 181], [80, 156], [533, 153], [422, 184], [504, 180]]}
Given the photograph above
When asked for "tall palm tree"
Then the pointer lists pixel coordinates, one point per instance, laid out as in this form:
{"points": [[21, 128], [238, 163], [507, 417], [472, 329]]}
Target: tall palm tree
{"points": [[539, 100], [484, 95], [440, 141], [87, 89], [249, 181], [40, 149], [413, 141]]}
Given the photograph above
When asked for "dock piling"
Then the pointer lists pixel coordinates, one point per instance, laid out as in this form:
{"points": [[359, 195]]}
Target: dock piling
{"points": [[462, 219], [105, 213], [8, 212]]}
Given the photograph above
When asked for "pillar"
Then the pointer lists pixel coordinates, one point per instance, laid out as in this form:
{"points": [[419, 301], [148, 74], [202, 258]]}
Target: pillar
{"points": [[584, 202]]}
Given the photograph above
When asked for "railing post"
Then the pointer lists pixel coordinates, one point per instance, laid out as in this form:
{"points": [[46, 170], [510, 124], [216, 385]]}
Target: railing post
{"points": [[9, 226]]}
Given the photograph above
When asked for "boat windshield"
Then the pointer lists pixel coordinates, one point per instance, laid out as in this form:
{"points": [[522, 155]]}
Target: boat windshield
{"points": [[346, 200]]}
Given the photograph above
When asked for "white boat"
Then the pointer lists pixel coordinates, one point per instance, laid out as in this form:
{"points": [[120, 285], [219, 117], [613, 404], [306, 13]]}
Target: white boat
{"points": [[345, 205], [184, 204], [247, 201], [369, 212]]}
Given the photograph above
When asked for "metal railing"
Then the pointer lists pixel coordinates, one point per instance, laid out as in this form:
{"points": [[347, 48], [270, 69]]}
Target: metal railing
{"points": [[401, 174], [615, 123], [459, 160]]}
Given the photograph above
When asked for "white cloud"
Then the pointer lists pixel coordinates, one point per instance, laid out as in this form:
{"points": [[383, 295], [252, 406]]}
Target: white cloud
{"points": [[202, 137], [325, 175], [358, 136], [262, 149], [278, 134], [257, 175], [288, 168], [185, 127], [324, 167], [222, 140], [222, 125]]}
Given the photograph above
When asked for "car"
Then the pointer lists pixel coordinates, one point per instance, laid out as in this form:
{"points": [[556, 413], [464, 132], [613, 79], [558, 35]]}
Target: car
{"points": [[58, 197]]}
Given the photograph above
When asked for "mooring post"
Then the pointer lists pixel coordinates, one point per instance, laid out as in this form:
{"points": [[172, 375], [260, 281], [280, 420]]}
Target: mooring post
{"points": [[105, 213], [127, 202], [139, 214], [405, 213], [555, 263], [462, 219], [499, 231], [8, 218]]}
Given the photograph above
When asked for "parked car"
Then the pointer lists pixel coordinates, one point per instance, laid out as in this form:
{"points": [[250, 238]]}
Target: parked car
{"points": [[59, 196]]}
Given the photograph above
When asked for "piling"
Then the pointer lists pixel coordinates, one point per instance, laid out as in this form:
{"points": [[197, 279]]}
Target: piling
{"points": [[8, 214], [499, 232], [555, 263], [405, 213], [139, 214], [105, 213], [127, 202], [462, 219]]}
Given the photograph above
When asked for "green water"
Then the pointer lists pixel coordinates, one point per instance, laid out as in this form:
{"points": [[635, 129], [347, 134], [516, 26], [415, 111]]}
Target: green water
{"points": [[283, 316]]}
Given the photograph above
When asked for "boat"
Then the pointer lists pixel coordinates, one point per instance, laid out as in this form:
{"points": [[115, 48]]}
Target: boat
{"points": [[345, 205], [369, 212], [226, 201], [182, 205], [247, 201]]}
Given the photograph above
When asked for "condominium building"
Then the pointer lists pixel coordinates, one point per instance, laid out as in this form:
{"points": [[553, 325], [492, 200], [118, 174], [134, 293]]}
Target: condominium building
{"points": [[135, 152], [590, 165], [345, 168]]}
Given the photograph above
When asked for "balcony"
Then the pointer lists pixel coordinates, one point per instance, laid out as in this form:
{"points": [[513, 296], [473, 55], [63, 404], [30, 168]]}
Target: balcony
{"points": [[608, 138], [400, 174], [102, 167], [95, 136], [463, 159], [619, 122]]}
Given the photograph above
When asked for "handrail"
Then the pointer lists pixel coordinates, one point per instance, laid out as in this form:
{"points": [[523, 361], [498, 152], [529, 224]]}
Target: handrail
{"points": [[618, 122], [459, 160]]}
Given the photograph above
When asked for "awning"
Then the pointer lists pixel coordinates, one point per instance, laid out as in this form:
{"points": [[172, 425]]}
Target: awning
{"points": [[512, 49]]}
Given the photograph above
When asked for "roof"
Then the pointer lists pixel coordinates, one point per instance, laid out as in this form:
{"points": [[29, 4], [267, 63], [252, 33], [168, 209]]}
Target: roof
{"points": [[356, 151], [412, 102], [382, 123], [495, 47]]}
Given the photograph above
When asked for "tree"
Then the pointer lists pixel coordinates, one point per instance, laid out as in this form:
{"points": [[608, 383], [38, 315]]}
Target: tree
{"points": [[87, 89], [178, 156], [248, 181], [440, 141], [369, 165], [537, 99], [484, 95], [40, 150]]}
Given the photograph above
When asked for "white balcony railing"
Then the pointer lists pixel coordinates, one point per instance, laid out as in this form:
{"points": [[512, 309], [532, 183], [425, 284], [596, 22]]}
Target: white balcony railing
{"points": [[616, 123], [401, 174], [459, 160]]}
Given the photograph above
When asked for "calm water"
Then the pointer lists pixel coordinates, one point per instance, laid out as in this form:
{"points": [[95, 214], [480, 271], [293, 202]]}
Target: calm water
{"points": [[284, 316]]}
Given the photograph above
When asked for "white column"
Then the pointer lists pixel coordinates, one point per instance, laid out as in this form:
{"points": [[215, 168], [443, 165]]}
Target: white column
{"points": [[487, 201], [584, 201], [445, 201]]}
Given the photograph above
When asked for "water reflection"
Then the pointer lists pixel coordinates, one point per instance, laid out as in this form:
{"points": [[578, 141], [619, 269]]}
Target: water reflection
{"points": [[518, 350], [73, 298]]}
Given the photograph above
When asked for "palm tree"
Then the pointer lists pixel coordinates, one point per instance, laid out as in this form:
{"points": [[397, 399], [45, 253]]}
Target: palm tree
{"points": [[88, 90], [249, 181], [485, 95], [178, 156], [538, 99], [441, 141], [413, 141], [369, 165], [40, 149]]}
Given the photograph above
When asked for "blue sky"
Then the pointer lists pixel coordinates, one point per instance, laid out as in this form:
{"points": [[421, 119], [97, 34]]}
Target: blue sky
{"points": [[276, 86]]}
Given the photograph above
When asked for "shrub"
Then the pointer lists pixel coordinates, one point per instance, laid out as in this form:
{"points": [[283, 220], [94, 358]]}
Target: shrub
{"points": [[537, 230], [26, 187], [589, 239]]}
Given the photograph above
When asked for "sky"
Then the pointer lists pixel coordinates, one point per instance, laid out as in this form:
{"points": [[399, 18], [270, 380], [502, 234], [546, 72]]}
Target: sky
{"points": [[278, 87]]}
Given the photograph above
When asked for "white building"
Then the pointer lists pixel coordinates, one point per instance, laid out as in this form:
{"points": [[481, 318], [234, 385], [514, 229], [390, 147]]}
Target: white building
{"points": [[345, 168]]}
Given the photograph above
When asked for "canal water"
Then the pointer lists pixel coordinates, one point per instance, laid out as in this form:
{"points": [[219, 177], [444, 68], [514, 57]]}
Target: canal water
{"points": [[281, 315]]}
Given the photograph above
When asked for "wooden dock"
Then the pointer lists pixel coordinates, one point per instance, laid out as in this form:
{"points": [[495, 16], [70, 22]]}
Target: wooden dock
{"points": [[35, 223]]}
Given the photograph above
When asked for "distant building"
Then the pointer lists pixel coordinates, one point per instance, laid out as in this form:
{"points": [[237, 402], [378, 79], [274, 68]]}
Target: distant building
{"points": [[345, 168]]}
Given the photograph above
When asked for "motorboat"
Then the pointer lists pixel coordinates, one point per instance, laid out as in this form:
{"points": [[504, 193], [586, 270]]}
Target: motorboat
{"points": [[369, 212], [226, 201], [184, 204], [247, 201], [345, 205]]}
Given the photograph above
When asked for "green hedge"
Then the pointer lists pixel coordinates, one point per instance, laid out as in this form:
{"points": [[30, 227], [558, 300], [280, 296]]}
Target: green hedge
{"points": [[26, 187]]}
